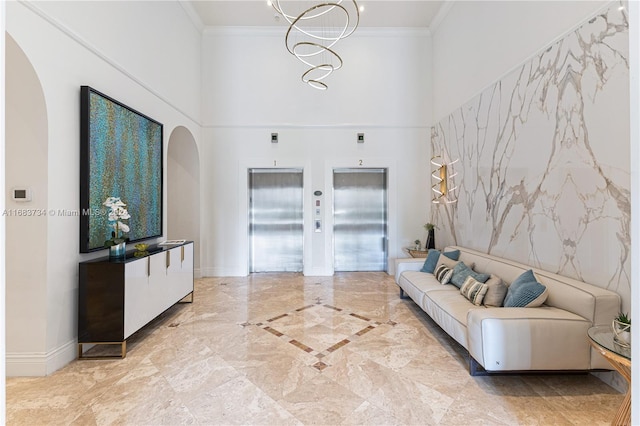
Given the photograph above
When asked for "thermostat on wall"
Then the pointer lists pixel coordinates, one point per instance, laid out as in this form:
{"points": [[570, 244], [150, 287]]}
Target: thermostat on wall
{"points": [[21, 194]]}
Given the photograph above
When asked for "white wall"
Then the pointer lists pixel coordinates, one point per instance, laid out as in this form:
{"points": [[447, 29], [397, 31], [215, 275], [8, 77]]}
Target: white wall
{"points": [[3, 251], [27, 149], [154, 42], [64, 58], [634, 65], [506, 107], [252, 87], [543, 178], [497, 36]]}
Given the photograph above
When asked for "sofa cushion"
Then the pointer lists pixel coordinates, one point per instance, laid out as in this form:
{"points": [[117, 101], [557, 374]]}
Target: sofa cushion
{"points": [[462, 271], [443, 274], [474, 290], [449, 310], [525, 292], [496, 291], [433, 255], [416, 284]]}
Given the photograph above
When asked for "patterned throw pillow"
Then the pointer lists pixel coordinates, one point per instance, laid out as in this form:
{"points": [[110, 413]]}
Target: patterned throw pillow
{"points": [[474, 290], [525, 292], [443, 274], [462, 271]]}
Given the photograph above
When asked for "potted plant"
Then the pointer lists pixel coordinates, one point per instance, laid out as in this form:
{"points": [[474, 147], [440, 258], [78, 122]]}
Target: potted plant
{"points": [[117, 213], [431, 237], [622, 329], [417, 243]]}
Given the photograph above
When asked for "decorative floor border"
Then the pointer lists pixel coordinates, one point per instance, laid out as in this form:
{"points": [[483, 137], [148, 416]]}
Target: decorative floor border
{"points": [[320, 365]]}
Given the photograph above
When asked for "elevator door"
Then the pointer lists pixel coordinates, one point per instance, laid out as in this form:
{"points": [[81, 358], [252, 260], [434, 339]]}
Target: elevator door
{"points": [[275, 220], [360, 219]]}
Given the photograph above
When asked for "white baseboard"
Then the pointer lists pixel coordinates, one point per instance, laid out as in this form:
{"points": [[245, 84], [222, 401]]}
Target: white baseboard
{"points": [[318, 272], [224, 272], [613, 379], [20, 364], [239, 272]]}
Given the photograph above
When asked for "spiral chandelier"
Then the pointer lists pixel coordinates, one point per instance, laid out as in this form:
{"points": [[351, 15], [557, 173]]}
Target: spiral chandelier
{"points": [[314, 30]]}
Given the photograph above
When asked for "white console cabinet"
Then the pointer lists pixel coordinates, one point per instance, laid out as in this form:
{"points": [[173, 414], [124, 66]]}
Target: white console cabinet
{"points": [[116, 298]]}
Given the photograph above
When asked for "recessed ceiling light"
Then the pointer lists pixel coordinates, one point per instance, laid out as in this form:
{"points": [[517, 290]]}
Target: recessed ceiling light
{"points": [[269, 3], [362, 8]]}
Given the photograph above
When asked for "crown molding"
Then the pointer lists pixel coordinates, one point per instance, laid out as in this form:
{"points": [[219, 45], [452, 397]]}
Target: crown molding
{"points": [[441, 15], [279, 31], [192, 14]]}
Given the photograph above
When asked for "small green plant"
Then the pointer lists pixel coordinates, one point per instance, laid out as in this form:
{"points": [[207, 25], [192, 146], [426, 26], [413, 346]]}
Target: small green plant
{"points": [[416, 242], [429, 226], [623, 318]]}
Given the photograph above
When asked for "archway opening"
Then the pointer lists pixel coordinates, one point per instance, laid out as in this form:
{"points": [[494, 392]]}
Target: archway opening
{"points": [[26, 171], [183, 190]]}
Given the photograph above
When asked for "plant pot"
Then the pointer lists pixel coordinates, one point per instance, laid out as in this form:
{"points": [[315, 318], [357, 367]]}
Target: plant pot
{"points": [[431, 239], [621, 333], [118, 251]]}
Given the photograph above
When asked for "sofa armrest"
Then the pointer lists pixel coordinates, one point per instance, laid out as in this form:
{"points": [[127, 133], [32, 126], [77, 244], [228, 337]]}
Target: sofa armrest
{"points": [[408, 264], [516, 339]]}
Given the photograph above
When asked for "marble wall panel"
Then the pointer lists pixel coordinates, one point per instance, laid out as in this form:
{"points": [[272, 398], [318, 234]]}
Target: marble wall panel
{"points": [[543, 171]]}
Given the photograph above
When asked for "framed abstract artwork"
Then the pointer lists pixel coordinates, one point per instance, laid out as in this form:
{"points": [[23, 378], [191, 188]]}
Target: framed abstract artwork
{"points": [[120, 156]]}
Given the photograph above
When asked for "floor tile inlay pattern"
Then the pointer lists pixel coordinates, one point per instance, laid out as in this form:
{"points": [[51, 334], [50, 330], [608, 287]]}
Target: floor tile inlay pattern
{"points": [[300, 322], [272, 349]]}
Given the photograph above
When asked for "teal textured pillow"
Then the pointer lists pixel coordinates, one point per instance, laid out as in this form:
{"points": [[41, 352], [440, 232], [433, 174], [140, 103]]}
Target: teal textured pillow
{"points": [[453, 254], [525, 292], [461, 272], [432, 259]]}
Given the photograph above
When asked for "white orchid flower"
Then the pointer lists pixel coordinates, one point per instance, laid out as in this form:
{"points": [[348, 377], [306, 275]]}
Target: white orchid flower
{"points": [[122, 213], [117, 212]]}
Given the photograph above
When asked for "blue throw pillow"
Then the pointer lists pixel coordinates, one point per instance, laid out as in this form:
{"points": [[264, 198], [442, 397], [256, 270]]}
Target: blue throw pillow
{"points": [[461, 272], [433, 256], [431, 260], [525, 292], [453, 254]]}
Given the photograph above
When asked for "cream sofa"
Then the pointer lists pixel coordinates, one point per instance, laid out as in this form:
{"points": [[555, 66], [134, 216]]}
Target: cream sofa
{"points": [[499, 339]]}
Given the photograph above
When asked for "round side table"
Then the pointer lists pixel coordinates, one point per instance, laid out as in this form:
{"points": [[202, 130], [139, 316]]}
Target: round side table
{"points": [[601, 338]]}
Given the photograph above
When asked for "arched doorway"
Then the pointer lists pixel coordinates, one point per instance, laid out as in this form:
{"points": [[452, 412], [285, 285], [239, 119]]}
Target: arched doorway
{"points": [[26, 150], [183, 190]]}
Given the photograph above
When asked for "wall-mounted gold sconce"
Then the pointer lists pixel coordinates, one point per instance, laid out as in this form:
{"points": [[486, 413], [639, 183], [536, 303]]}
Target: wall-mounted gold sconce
{"points": [[444, 187]]}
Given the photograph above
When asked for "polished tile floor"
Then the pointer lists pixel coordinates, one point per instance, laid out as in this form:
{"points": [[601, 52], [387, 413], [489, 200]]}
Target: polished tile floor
{"points": [[277, 349]]}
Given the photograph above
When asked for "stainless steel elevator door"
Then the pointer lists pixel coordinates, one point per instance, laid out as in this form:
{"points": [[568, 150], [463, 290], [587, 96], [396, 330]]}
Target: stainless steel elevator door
{"points": [[360, 219], [275, 220]]}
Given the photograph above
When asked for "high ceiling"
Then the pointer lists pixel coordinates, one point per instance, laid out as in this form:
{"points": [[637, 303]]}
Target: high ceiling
{"points": [[376, 13]]}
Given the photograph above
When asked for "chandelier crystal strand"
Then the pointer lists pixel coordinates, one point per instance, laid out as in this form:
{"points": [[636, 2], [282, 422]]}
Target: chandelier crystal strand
{"points": [[313, 32]]}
